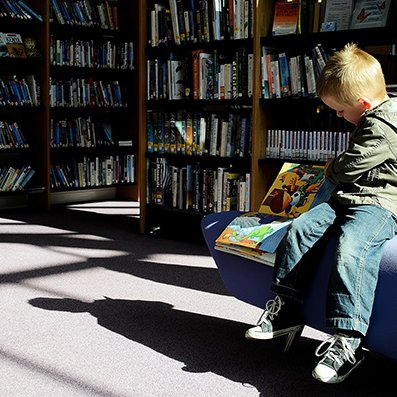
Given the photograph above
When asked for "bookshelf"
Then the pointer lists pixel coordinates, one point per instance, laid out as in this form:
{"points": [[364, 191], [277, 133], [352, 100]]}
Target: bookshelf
{"points": [[27, 113], [292, 113], [198, 108], [87, 117], [92, 107], [306, 112]]}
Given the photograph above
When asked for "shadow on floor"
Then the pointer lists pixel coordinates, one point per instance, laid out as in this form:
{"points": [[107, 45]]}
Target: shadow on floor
{"points": [[208, 344]]}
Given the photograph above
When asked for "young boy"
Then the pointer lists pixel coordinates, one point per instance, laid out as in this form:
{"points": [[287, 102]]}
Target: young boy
{"points": [[362, 214]]}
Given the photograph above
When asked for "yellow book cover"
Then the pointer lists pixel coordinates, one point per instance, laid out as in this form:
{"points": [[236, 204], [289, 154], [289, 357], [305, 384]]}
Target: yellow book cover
{"points": [[293, 191], [296, 189]]}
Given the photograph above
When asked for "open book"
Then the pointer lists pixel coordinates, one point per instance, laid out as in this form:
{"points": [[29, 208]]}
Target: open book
{"points": [[296, 189]]}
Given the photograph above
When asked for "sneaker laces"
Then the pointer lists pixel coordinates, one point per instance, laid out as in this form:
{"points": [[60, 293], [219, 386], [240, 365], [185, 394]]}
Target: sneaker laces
{"points": [[273, 306], [339, 349]]}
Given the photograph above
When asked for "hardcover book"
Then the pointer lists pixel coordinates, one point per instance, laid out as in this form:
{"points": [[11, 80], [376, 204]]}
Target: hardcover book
{"points": [[297, 188]]}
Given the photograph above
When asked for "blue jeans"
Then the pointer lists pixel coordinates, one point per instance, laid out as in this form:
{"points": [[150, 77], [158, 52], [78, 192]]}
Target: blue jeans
{"points": [[361, 232]]}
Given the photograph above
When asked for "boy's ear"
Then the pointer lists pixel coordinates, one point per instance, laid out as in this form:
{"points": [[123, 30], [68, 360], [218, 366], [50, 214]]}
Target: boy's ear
{"points": [[366, 102]]}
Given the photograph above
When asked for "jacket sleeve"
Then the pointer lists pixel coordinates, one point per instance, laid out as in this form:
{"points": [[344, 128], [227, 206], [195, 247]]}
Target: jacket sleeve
{"points": [[368, 148]]}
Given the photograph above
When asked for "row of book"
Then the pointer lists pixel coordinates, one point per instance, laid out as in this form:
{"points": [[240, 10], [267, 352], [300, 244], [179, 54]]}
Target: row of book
{"points": [[85, 93], [102, 14], [92, 53], [15, 179], [91, 172], [192, 133], [284, 75], [305, 145], [18, 9], [194, 188], [19, 91], [80, 132], [195, 21], [204, 75], [11, 136]]}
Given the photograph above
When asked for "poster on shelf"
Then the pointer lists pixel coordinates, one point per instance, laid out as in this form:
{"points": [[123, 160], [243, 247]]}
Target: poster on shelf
{"points": [[370, 14]]}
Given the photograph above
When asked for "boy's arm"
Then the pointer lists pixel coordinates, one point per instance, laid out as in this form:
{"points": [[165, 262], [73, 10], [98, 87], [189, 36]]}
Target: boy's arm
{"points": [[368, 149]]}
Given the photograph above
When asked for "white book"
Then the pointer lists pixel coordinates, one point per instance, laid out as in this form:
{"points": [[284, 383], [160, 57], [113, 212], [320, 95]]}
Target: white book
{"points": [[236, 16], [247, 192], [224, 137], [214, 135], [339, 13], [219, 189], [370, 14], [205, 75], [202, 135], [174, 20]]}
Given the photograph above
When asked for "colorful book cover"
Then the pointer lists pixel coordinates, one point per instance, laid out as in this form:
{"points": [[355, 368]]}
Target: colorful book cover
{"points": [[296, 189], [286, 17], [370, 14], [15, 46]]}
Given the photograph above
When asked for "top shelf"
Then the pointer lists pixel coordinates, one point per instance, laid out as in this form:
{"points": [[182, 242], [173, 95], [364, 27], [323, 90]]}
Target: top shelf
{"points": [[369, 36]]}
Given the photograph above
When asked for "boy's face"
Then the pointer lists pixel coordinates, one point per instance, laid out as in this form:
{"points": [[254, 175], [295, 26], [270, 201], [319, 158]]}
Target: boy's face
{"points": [[351, 113]]}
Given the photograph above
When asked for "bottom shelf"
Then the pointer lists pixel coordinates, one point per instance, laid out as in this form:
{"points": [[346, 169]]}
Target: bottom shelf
{"points": [[80, 196], [174, 224], [9, 200]]}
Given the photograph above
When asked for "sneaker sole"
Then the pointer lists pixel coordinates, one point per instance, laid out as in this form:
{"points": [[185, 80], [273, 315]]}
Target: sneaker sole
{"points": [[339, 378], [272, 335]]}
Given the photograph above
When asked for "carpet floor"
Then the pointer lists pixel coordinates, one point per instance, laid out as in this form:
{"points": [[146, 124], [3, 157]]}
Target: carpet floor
{"points": [[91, 308]]}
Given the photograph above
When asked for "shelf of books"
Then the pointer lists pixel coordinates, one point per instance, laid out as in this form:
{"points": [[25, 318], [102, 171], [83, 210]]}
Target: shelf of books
{"points": [[292, 42], [92, 81], [22, 114], [198, 108]]}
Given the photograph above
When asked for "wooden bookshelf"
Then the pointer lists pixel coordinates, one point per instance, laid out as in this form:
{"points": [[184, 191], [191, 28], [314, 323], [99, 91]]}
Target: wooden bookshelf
{"points": [[32, 120], [130, 123], [36, 121], [305, 113], [208, 105]]}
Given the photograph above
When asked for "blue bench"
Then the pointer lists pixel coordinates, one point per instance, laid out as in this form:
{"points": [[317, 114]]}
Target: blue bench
{"points": [[250, 282]]}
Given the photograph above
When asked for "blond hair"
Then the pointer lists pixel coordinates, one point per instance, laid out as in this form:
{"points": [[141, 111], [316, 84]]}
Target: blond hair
{"points": [[350, 74]]}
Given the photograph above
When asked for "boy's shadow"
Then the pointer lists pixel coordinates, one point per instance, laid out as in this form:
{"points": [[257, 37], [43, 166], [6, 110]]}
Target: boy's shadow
{"points": [[210, 344]]}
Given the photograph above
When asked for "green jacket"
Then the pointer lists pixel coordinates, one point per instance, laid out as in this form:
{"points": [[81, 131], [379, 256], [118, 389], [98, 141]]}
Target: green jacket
{"points": [[366, 173]]}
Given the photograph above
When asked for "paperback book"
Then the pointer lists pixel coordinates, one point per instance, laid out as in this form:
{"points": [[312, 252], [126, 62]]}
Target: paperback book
{"points": [[370, 14], [297, 188], [15, 46], [286, 17]]}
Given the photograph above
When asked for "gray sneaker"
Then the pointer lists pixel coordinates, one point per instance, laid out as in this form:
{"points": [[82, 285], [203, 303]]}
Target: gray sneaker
{"points": [[339, 359], [277, 321]]}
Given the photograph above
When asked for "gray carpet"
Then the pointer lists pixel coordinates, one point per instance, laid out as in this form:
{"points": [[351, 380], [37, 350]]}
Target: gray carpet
{"points": [[90, 308]]}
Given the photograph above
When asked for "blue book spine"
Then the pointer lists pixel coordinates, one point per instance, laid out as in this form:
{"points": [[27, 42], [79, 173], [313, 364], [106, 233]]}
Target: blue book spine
{"points": [[30, 11]]}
